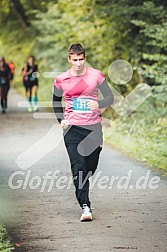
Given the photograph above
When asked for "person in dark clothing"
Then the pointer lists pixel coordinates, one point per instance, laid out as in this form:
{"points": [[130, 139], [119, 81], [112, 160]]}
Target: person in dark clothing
{"points": [[81, 120], [4, 83], [30, 82]]}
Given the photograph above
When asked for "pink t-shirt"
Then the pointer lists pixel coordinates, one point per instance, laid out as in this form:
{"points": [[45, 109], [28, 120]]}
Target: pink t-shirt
{"points": [[77, 90]]}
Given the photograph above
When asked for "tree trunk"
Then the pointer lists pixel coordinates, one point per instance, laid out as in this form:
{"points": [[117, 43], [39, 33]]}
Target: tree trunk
{"points": [[21, 13]]}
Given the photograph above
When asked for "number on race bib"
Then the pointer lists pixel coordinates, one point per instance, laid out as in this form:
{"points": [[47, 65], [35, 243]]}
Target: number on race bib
{"points": [[80, 105]]}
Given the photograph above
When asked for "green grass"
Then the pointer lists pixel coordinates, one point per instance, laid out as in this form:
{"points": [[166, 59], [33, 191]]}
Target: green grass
{"points": [[145, 143], [5, 242]]}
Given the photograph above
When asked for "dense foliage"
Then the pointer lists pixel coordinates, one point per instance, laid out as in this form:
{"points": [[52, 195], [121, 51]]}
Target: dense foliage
{"points": [[5, 242]]}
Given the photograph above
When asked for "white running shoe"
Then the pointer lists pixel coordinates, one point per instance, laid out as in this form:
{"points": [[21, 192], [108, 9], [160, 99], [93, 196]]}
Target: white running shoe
{"points": [[86, 213], [29, 109], [35, 108]]}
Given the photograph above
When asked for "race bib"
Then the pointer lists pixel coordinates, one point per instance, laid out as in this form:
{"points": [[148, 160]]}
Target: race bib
{"points": [[32, 78], [80, 105], [2, 81]]}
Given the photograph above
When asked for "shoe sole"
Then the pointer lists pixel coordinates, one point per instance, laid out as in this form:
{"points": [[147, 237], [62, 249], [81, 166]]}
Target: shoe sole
{"points": [[85, 219]]}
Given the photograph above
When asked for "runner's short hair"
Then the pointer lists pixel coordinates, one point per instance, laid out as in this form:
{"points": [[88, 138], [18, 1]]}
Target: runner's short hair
{"points": [[2, 58], [76, 49]]}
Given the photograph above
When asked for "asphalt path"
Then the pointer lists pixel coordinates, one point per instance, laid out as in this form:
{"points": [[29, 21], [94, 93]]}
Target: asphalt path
{"points": [[37, 200]]}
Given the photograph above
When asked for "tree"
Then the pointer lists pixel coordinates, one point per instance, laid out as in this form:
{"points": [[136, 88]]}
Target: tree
{"points": [[21, 13]]}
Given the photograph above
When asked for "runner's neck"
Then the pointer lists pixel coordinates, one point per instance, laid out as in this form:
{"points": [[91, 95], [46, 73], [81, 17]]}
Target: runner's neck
{"points": [[74, 73]]}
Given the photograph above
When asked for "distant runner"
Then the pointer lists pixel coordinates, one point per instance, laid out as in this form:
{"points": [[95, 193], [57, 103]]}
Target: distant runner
{"points": [[4, 83], [30, 82], [12, 72]]}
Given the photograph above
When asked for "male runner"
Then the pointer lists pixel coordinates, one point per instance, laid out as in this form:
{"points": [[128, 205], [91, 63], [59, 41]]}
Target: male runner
{"points": [[81, 120]]}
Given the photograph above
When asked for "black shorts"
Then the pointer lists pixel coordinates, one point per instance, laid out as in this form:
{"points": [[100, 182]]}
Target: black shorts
{"points": [[11, 76], [30, 84]]}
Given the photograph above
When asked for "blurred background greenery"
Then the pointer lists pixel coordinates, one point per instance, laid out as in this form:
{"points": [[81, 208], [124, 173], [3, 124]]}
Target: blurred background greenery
{"points": [[135, 31]]}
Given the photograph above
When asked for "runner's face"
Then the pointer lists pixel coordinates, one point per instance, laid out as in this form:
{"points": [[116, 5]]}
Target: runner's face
{"points": [[30, 61], [77, 61], [1, 62]]}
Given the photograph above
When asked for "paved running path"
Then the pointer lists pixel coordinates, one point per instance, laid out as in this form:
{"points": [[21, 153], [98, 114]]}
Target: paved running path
{"points": [[124, 219]]}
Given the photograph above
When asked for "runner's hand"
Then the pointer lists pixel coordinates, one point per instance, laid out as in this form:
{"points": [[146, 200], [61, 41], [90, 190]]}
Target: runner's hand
{"points": [[93, 105], [64, 124]]}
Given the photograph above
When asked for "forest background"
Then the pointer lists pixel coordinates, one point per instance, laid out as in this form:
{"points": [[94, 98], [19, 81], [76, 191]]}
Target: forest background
{"points": [[135, 31]]}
